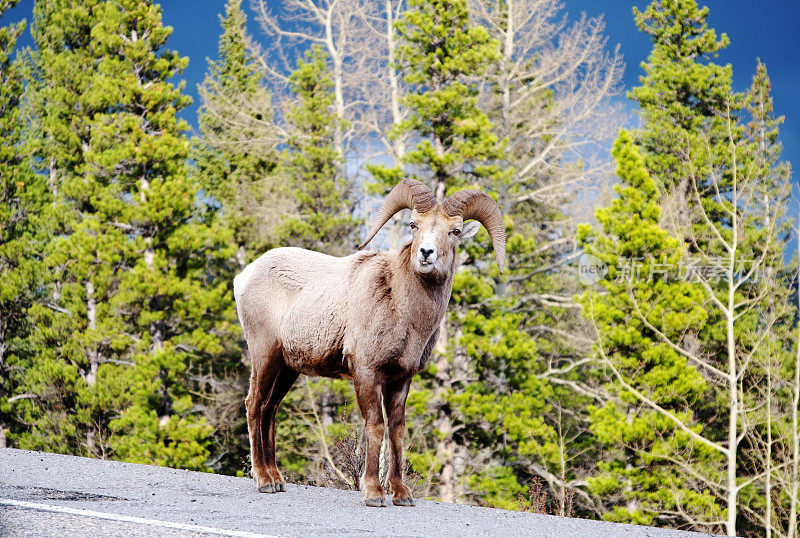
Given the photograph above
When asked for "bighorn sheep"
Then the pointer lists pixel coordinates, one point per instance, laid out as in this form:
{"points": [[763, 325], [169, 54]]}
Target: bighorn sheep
{"points": [[372, 317]]}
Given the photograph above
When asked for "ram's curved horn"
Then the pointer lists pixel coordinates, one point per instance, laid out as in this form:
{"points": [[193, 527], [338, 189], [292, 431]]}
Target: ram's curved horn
{"points": [[408, 194], [476, 204]]}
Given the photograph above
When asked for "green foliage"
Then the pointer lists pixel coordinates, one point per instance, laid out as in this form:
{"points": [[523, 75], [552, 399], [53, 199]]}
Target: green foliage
{"points": [[639, 482], [230, 164], [683, 93], [498, 487], [134, 314], [310, 163], [440, 54], [118, 333], [157, 424], [22, 197]]}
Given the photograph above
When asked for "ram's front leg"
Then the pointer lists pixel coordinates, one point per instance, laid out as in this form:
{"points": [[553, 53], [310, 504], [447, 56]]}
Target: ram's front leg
{"points": [[368, 394], [394, 396]]}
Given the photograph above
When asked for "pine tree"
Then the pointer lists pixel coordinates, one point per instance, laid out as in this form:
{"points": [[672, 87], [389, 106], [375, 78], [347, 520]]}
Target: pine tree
{"points": [[63, 414], [23, 196], [683, 93], [239, 175], [228, 167], [441, 54], [322, 217], [137, 311], [637, 481], [170, 296]]}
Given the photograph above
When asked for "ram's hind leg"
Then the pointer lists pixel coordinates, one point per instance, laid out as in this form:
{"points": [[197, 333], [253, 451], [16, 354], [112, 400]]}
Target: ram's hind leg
{"points": [[266, 359], [284, 380]]}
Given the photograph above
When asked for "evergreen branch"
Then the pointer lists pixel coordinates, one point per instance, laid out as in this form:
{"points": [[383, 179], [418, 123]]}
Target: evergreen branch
{"points": [[665, 339], [647, 401]]}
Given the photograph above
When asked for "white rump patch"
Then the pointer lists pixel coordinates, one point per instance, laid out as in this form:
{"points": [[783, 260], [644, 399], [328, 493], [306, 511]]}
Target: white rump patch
{"points": [[240, 282]]}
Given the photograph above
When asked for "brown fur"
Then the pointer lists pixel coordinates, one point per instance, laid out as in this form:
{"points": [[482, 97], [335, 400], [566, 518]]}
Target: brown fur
{"points": [[369, 317]]}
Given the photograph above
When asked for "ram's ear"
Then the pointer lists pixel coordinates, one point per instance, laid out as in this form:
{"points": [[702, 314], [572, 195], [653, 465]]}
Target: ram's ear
{"points": [[470, 229]]}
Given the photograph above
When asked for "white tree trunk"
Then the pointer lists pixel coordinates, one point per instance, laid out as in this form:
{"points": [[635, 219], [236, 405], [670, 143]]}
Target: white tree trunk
{"points": [[794, 491], [338, 88], [733, 387], [394, 85], [91, 318]]}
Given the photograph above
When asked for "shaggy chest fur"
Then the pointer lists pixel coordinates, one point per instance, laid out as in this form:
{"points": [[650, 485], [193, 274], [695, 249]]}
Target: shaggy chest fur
{"points": [[370, 314]]}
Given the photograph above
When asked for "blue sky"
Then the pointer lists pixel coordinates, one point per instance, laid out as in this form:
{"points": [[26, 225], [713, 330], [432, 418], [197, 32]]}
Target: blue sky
{"points": [[769, 29]]}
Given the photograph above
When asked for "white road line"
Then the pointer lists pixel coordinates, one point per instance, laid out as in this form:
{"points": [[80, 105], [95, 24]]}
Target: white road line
{"points": [[131, 519]]}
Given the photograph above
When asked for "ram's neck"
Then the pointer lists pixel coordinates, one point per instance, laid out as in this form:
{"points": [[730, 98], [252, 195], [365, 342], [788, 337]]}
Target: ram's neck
{"points": [[423, 299]]}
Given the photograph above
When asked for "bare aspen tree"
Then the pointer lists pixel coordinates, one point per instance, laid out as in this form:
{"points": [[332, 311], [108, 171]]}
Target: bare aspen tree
{"points": [[550, 97], [381, 87], [792, 481], [771, 436], [777, 445], [336, 27], [736, 256]]}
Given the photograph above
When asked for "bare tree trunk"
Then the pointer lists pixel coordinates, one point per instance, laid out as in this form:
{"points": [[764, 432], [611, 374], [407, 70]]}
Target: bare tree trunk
{"points": [[91, 317], [633, 502], [93, 354], [445, 449], [794, 492], [3, 348], [338, 90], [53, 178], [733, 388], [241, 259], [149, 259], [327, 407], [398, 143], [768, 459], [562, 467]]}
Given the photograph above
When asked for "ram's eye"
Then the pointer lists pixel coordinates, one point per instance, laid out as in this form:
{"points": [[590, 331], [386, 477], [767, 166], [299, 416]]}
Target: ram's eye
{"points": [[413, 225], [456, 232]]}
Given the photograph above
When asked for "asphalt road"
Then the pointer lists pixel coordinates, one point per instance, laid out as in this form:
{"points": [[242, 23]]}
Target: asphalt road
{"points": [[52, 495]]}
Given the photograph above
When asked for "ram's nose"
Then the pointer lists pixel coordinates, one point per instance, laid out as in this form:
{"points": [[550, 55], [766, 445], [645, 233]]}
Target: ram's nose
{"points": [[426, 254]]}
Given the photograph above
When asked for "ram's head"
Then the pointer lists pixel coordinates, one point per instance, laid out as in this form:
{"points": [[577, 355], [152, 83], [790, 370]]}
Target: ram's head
{"points": [[437, 228]]}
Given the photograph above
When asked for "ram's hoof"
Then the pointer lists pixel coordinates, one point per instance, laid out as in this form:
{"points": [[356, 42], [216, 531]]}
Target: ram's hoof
{"points": [[280, 487], [267, 488], [375, 501], [408, 501]]}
